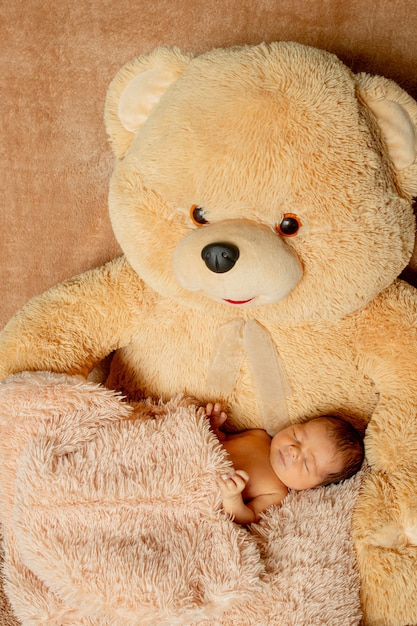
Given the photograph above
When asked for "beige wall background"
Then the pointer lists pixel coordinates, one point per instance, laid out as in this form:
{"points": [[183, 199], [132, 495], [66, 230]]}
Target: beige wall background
{"points": [[56, 61]]}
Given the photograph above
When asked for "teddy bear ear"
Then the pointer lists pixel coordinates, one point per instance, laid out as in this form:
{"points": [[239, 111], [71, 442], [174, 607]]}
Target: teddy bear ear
{"points": [[396, 115], [136, 90]]}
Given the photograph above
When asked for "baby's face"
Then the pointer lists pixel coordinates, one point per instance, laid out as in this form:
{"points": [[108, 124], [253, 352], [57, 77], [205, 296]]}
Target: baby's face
{"points": [[303, 455]]}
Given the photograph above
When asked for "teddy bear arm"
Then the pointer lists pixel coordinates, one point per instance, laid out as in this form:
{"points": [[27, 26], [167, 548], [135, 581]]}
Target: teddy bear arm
{"points": [[72, 326], [388, 358], [384, 521]]}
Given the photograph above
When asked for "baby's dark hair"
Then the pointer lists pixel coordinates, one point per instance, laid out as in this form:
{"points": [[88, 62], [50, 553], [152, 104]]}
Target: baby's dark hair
{"points": [[349, 444]]}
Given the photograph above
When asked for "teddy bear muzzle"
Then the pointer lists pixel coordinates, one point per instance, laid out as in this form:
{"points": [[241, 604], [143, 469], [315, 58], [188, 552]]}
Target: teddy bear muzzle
{"points": [[238, 262]]}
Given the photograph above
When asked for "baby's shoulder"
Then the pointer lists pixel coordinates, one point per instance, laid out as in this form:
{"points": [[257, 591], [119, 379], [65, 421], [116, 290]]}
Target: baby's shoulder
{"points": [[248, 447], [257, 434]]}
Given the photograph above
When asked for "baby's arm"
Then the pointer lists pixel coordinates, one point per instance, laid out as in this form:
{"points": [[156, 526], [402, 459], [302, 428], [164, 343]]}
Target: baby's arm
{"points": [[232, 487]]}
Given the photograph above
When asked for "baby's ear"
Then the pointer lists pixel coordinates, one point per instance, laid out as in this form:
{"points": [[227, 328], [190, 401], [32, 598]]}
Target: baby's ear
{"points": [[395, 113], [136, 90]]}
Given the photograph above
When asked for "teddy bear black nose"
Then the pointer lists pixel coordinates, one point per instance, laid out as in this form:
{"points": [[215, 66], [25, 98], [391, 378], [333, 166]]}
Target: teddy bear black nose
{"points": [[220, 257]]}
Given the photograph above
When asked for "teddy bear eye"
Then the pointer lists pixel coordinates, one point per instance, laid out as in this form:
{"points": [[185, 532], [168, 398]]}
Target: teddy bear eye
{"points": [[197, 214], [289, 225]]}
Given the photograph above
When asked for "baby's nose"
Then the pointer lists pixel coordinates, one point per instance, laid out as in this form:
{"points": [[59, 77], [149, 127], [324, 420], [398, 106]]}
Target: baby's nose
{"points": [[294, 452]]}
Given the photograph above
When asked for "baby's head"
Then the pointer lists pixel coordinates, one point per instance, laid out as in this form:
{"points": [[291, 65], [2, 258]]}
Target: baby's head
{"points": [[321, 451]]}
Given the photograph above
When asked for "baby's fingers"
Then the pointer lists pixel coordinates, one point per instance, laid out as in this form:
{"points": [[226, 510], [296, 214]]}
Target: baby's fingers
{"points": [[243, 475], [235, 483], [216, 415]]}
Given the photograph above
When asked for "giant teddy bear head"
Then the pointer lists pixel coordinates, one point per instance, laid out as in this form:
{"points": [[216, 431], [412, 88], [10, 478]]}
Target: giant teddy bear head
{"points": [[266, 175]]}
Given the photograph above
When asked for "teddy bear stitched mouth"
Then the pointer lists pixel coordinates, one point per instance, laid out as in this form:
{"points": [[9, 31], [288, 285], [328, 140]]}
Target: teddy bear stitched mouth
{"points": [[238, 301]]}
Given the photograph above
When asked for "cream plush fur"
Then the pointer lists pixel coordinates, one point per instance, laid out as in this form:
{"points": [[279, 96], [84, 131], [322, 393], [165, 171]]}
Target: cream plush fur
{"points": [[298, 325], [111, 518]]}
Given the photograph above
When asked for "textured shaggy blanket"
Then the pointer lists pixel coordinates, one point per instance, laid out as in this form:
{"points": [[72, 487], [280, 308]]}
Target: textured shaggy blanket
{"points": [[111, 517]]}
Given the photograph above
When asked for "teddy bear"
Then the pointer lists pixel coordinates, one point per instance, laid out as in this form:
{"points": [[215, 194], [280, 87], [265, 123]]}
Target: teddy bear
{"points": [[262, 197]]}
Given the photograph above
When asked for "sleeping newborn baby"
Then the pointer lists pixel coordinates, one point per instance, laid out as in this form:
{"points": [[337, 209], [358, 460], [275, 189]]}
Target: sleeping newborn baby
{"points": [[317, 452]]}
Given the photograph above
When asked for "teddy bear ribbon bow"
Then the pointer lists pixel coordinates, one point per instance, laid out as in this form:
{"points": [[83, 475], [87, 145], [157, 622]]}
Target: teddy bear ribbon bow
{"points": [[268, 374]]}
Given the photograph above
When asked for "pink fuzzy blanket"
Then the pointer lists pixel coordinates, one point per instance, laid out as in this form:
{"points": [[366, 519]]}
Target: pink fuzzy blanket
{"points": [[111, 517]]}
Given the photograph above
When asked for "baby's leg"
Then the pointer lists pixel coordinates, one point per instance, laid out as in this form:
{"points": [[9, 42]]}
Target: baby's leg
{"points": [[217, 419]]}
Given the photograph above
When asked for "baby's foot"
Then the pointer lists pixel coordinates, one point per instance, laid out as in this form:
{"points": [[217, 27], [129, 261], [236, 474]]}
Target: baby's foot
{"points": [[217, 418]]}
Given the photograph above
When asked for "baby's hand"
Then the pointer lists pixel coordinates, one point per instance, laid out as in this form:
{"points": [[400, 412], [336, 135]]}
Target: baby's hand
{"points": [[233, 485], [217, 419]]}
